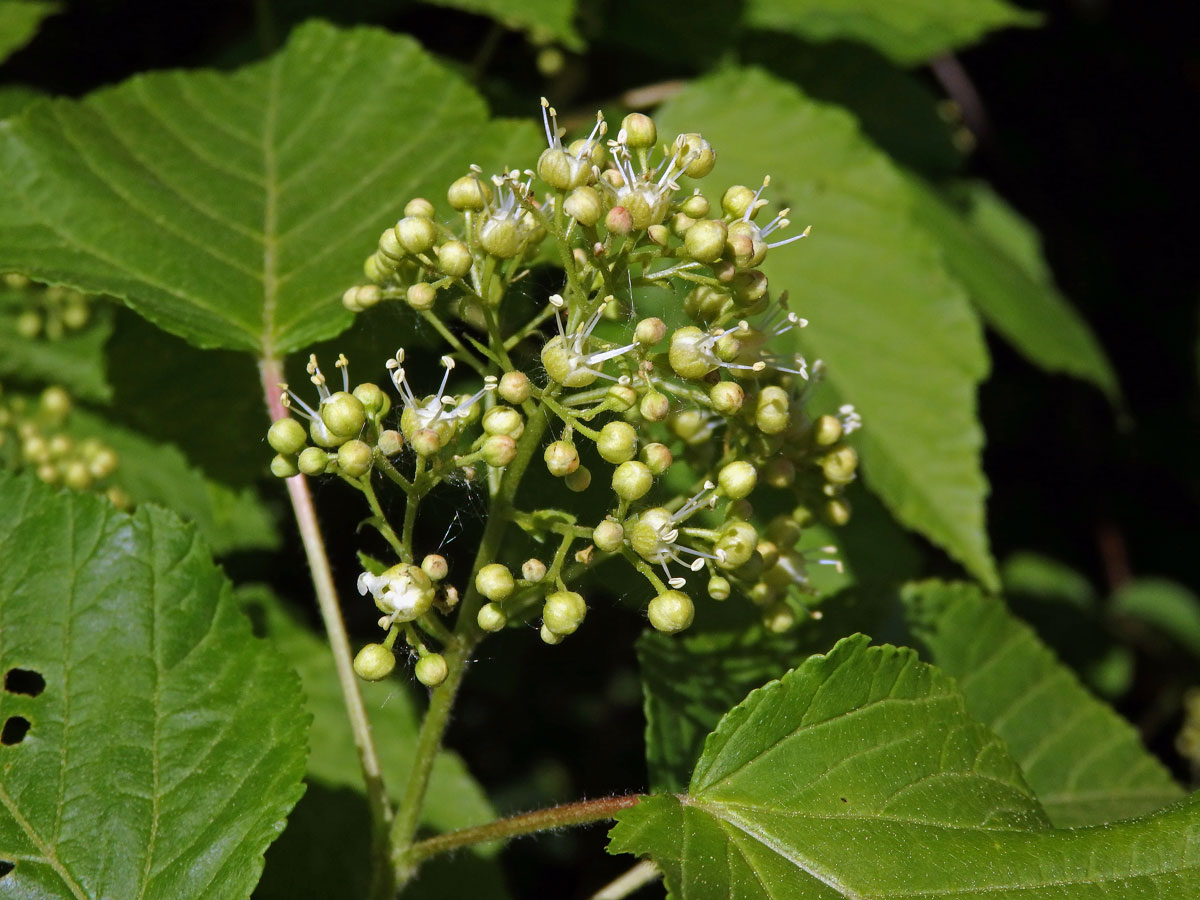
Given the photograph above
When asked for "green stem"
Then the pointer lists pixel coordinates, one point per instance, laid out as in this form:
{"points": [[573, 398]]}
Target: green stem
{"points": [[381, 522], [582, 813], [271, 371]]}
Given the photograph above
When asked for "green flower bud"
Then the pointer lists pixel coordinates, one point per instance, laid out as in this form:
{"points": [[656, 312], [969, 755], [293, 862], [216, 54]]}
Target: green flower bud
{"points": [[698, 153], [499, 450], [375, 402], [343, 414], [313, 461], [608, 535], [593, 151], [837, 512], [374, 662], [705, 241], [419, 207], [390, 247], [778, 617], [504, 420], [706, 303], [657, 457], [427, 442], [564, 612], [736, 200], [749, 286], [784, 531], [514, 387], [839, 466], [649, 332], [695, 206], [685, 355], [549, 637], [561, 458], [491, 617], [454, 259], [632, 480], [617, 442], [619, 220], [659, 234], [48, 473], [622, 397], [118, 497], [561, 364], [680, 223], [771, 414], [691, 425], [391, 442], [416, 234], [104, 462], [654, 406], [29, 324], [287, 436], [739, 509], [361, 297], [745, 242], [562, 171], [737, 479], [584, 205], [431, 669], [354, 458], [671, 612], [495, 582], [719, 587], [736, 544], [578, 480], [501, 237], [533, 570], [779, 472], [55, 403], [468, 193], [727, 397], [76, 477], [435, 566], [421, 296], [769, 551], [640, 131], [827, 431]]}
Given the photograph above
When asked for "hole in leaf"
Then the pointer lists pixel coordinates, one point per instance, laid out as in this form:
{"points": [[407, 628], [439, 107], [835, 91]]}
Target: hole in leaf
{"points": [[6, 867], [14, 731], [24, 681]]}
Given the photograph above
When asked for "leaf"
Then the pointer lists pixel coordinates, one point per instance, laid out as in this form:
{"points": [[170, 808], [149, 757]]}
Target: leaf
{"points": [[542, 18], [19, 22], [860, 775], [1084, 762], [900, 340], [997, 256], [1032, 575], [234, 209], [1167, 605], [75, 360], [908, 31], [168, 743], [158, 473], [455, 799]]}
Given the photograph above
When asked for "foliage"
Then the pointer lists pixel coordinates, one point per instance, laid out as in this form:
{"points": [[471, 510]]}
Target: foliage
{"points": [[671, 446]]}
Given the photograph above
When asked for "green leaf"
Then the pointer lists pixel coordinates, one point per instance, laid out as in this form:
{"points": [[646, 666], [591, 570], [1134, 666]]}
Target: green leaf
{"points": [[234, 209], [19, 22], [1039, 577], [859, 775], [1167, 605], [1084, 762], [553, 19], [900, 340], [168, 743], [907, 31], [158, 473], [997, 256], [75, 360], [455, 799]]}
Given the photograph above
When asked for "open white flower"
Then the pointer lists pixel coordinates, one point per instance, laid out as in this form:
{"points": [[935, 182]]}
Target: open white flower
{"points": [[403, 592]]}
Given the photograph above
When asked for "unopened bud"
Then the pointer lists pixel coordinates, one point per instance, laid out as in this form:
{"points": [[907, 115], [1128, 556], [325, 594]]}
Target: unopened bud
{"points": [[468, 193], [313, 461], [655, 406], [504, 420], [514, 387], [431, 669], [435, 566], [727, 397], [499, 450], [640, 131], [671, 612], [608, 535], [287, 436], [491, 617], [617, 442], [391, 442], [657, 457], [649, 332], [454, 259], [374, 662], [632, 480], [494, 581], [284, 466], [737, 479], [578, 480], [354, 458], [771, 413], [619, 220], [564, 612], [533, 570], [736, 200], [416, 234], [421, 296], [584, 205], [705, 241]]}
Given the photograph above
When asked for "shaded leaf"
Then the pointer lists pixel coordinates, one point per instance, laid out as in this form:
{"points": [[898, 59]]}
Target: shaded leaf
{"points": [[1085, 763], [900, 340], [19, 22], [75, 360], [455, 799], [907, 31], [168, 743], [1167, 605], [248, 200], [552, 19], [997, 257], [150, 472], [1039, 577], [859, 775]]}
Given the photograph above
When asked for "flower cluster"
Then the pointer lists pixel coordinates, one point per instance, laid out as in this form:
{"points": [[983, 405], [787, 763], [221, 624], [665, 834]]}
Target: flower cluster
{"points": [[677, 415], [41, 311]]}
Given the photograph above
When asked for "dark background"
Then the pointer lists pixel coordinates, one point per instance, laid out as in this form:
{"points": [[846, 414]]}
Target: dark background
{"points": [[1084, 125]]}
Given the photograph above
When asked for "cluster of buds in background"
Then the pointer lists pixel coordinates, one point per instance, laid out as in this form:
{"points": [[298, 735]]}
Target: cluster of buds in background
{"points": [[42, 311], [658, 387]]}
